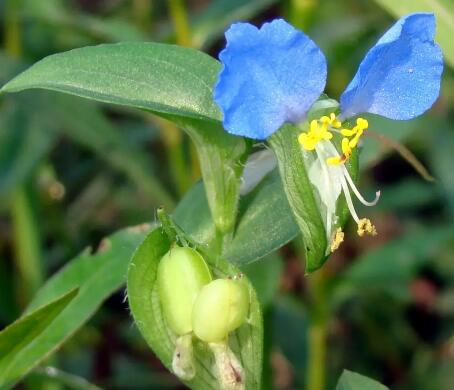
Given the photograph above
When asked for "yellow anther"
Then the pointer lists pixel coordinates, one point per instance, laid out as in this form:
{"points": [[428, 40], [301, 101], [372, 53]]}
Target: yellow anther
{"points": [[313, 127], [346, 148], [365, 226], [336, 123], [354, 141], [346, 153], [327, 135], [334, 160], [348, 132], [325, 119], [307, 141], [362, 123], [337, 239]]}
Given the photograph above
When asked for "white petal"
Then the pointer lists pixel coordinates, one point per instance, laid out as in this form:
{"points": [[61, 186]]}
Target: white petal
{"points": [[327, 179]]}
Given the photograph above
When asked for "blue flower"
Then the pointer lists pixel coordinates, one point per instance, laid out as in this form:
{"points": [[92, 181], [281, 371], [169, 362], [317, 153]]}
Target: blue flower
{"points": [[274, 74], [270, 76], [399, 78]]}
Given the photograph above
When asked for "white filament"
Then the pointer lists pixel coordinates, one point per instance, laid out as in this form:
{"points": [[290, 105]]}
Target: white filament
{"points": [[357, 193]]}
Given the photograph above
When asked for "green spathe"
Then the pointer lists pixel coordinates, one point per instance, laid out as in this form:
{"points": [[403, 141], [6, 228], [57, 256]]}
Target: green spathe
{"points": [[182, 272], [220, 308]]}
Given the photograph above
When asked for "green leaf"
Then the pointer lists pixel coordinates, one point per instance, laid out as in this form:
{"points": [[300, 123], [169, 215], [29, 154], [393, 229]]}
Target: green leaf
{"points": [[267, 214], [97, 276], [143, 297], [265, 276], [164, 79], [352, 381], [264, 211], [300, 194], [444, 13], [170, 81], [192, 214], [22, 334]]}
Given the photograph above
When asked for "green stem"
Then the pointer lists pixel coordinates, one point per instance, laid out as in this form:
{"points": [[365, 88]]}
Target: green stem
{"points": [[317, 357], [316, 301], [317, 333], [179, 18]]}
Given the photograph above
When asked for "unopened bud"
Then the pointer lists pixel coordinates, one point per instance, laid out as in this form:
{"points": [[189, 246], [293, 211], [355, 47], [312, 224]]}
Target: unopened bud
{"points": [[221, 307], [182, 272]]}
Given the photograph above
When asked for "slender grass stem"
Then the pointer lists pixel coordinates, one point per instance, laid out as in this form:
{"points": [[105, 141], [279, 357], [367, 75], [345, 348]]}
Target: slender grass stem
{"points": [[180, 22], [142, 11], [190, 172], [25, 229], [27, 244], [172, 137], [13, 45], [300, 13]]}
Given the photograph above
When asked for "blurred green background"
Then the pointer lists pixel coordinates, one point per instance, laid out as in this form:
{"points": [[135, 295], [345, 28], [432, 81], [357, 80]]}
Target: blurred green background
{"points": [[73, 171]]}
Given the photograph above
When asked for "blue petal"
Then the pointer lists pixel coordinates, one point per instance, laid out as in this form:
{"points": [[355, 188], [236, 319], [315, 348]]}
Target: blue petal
{"points": [[270, 76], [400, 76]]}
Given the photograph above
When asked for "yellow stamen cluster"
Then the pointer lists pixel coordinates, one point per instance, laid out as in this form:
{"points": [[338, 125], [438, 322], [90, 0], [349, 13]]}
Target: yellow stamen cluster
{"points": [[320, 130], [365, 226], [350, 141]]}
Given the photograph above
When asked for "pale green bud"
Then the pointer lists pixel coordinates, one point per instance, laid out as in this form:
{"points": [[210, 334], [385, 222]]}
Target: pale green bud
{"points": [[221, 307], [182, 272]]}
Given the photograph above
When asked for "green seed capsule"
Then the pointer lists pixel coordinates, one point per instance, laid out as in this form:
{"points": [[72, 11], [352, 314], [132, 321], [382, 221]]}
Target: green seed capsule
{"points": [[221, 307], [182, 272]]}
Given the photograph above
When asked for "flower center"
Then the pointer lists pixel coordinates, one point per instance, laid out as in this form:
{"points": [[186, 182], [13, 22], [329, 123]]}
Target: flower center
{"points": [[322, 128], [332, 168]]}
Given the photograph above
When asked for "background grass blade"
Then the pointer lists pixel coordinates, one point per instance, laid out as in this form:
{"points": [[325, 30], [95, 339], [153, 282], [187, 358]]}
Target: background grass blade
{"points": [[23, 333], [96, 276]]}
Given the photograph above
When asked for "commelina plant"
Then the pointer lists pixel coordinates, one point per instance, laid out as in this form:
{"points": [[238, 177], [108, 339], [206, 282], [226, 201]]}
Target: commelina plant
{"points": [[195, 307]]}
